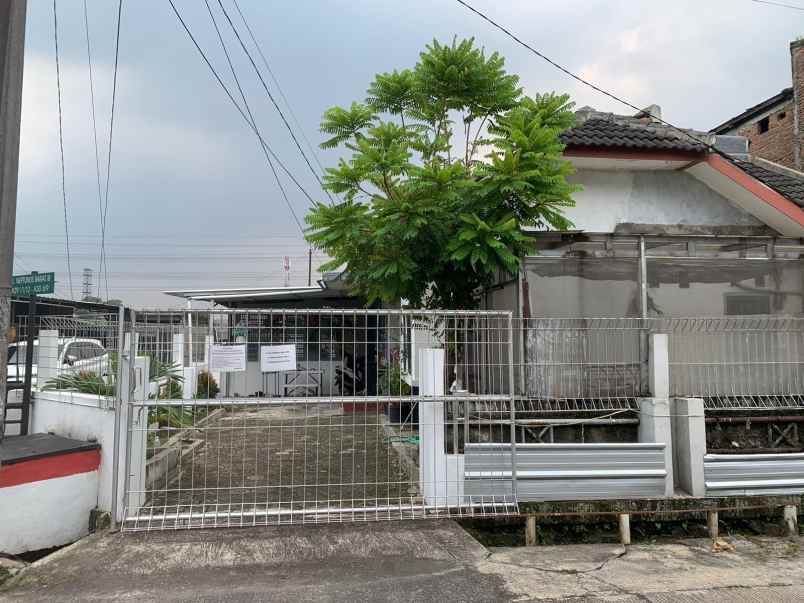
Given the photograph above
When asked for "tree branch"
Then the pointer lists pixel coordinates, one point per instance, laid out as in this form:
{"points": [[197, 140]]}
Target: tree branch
{"points": [[477, 135]]}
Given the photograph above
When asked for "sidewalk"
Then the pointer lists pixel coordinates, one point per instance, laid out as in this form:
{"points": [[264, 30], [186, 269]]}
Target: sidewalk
{"points": [[411, 561]]}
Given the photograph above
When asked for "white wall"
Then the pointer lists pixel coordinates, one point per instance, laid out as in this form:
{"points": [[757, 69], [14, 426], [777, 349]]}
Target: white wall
{"points": [[43, 514], [85, 417], [613, 197], [81, 417]]}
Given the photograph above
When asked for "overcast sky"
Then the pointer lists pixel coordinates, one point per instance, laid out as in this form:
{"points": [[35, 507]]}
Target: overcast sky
{"points": [[192, 203]]}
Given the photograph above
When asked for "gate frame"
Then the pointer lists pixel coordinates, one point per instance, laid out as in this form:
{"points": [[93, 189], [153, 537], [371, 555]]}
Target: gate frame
{"points": [[125, 402]]}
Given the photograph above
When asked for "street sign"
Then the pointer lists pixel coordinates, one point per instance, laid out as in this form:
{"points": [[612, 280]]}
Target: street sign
{"points": [[35, 283]]}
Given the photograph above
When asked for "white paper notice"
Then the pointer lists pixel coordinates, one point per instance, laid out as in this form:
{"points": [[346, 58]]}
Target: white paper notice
{"points": [[227, 358], [274, 358]]}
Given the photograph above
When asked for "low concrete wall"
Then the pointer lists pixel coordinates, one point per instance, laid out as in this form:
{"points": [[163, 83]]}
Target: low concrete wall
{"points": [[46, 513], [81, 417], [89, 417]]}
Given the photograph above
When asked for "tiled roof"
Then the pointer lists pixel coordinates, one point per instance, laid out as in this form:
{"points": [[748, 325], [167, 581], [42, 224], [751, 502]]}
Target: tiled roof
{"points": [[608, 130], [784, 184]]}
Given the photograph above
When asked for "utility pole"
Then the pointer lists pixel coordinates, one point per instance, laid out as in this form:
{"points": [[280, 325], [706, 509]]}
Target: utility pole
{"points": [[12, 53]]}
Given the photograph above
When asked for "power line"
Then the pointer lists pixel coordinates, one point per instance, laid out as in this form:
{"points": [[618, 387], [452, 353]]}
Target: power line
{"points": [[782, 4], [273, 101], [61, 147], [95, 136], [579, 78], [109, 156], [278, 87], [237, 106], [251, 117]]}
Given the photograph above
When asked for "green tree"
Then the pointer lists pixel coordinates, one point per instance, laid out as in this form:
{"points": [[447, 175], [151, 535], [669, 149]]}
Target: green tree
{"points": [[449, 162]]}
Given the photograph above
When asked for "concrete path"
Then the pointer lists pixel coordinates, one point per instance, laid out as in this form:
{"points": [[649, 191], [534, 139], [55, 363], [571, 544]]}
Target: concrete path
{"points": [[411, 561]]}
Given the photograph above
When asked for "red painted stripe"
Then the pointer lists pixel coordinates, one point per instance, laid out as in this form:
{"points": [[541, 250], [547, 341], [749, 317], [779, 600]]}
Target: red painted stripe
{"points": [[49, 467], [776, 200]]}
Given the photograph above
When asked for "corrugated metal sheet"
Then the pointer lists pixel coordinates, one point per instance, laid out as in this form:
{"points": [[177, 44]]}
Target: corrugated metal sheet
{"points": [[566, 471], [759, 474]]}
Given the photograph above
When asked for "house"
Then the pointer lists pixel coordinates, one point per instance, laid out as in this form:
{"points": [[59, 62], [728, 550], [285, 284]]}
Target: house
{"points": [[666, 225], [773, 126]]}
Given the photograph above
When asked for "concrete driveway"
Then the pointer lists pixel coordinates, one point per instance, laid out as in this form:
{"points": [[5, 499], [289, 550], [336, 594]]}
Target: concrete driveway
{"points": [[411, 561]]}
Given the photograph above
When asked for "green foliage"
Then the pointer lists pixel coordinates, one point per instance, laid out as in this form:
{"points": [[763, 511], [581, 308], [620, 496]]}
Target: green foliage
{"points": [[85, 382], [175, 417], [447, 163], [207, 386], [390, 379]]}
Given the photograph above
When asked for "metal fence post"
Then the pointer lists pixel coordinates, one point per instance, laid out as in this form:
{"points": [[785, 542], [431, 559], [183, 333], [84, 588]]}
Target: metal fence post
{"points": [[512, 390], [121, 318], [132, 351]]}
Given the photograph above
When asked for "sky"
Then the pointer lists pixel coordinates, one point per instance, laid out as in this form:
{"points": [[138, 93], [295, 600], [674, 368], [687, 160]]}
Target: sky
{"points": [[192, 203]]}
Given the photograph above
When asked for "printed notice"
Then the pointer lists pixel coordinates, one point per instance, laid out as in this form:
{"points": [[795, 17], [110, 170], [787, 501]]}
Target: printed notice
{"points": [[275, 358], [227, 358]]}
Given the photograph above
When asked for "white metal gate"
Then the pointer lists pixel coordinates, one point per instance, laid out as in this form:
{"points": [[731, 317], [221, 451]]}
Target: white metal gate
{"points": [[266, 417]]}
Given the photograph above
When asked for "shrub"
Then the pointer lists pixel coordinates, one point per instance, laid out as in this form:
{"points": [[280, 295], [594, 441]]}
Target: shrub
{"points": [[207, 386]]}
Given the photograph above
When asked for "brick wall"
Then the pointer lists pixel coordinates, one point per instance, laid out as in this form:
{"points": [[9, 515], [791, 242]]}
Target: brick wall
{"points": [[797, 65], [777, 143]]}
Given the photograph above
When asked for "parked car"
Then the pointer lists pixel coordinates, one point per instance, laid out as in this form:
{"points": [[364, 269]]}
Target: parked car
{"points": [[75, 355]]}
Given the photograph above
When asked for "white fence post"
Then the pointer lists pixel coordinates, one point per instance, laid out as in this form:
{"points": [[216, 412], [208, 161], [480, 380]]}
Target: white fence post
{"points": [[659, 366], [432, 456], [655, 424], [655, 427], [48, 356], [177, 352], [689, 429]]}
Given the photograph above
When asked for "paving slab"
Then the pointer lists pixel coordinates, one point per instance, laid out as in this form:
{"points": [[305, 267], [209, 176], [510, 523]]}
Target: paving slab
{"points": [[420, 560]]}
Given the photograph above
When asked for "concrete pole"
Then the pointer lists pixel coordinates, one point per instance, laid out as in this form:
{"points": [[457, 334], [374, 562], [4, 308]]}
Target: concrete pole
{"points": [[12, 52]]}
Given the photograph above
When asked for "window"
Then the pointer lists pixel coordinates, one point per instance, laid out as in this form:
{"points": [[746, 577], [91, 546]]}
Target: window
{"points": [[71, 350], [763, 125], [781, 116]]}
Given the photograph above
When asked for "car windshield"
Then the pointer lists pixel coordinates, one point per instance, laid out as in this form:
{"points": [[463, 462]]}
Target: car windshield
{"points": [[16, 354]]}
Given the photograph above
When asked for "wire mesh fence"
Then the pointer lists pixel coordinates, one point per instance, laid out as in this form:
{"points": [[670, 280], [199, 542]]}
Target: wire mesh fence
{"points": [[269, 462], [582, 365], [325, 353], [71, 355], [256, 417], [602, 364], [294, 416], [737, 363]]}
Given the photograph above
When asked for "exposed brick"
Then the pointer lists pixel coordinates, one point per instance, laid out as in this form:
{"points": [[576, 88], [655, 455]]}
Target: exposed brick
{"points": [[797, 64], [777, 143]]}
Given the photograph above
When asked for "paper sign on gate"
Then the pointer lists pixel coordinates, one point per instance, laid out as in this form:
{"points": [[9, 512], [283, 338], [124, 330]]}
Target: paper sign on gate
{"points": [[275, 358], [227, 358]]}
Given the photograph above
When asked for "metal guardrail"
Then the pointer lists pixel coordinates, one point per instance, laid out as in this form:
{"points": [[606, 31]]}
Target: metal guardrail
{"points": [[567, 471], [753, 474]]}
